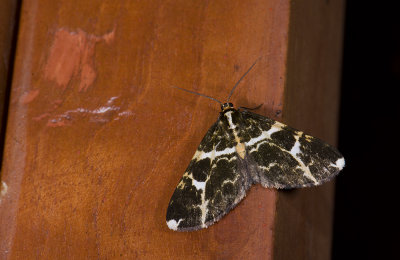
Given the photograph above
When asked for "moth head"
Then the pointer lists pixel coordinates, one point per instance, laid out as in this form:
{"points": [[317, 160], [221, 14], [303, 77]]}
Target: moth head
{"points": [[226, 106]]}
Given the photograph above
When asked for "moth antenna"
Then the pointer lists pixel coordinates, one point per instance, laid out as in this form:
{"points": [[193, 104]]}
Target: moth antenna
{"points": [[237, 83], [253, 108], [198, 94]]}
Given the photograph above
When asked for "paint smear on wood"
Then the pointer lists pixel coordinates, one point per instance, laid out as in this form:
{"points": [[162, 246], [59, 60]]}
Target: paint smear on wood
{"points": [[102, 114], [3, 190], [28, 97], [72, 56]]}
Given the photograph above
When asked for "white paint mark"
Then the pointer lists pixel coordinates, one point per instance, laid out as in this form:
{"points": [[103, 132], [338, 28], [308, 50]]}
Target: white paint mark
{"points": [[3, 189], [125, 113], [102, 110], [172, 224], [111, 100]]}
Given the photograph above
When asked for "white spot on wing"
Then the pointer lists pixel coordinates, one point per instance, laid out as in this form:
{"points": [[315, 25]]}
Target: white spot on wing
{"points": [[296, 147], [339, 163], [172, 224], [199, 185]]}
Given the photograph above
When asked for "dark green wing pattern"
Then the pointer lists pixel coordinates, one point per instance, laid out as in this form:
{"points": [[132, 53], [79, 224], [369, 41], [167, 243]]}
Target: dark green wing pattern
{"points": [[212, 184], [285, 157]]}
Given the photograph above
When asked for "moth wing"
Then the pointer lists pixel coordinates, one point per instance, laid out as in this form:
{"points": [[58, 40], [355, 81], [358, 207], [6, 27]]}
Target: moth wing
{"points": [[287, 158], [212, 184]]}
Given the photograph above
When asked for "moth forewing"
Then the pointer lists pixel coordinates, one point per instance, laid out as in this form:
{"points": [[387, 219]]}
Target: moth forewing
{"points": [[240, 149], [243, 148]]}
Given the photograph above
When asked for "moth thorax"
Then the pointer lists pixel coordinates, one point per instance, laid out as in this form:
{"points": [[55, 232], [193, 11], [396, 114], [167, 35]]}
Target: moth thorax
{"points": [[226, 106]]}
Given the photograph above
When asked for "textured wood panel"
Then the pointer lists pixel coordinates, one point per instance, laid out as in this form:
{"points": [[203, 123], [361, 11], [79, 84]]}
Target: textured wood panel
{"points": [[304, 217], [97, 139]]}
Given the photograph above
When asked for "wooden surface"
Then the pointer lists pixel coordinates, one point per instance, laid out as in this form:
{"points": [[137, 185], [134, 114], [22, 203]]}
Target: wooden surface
{"points": [[97, 139], [8, 24], [304, 217]]}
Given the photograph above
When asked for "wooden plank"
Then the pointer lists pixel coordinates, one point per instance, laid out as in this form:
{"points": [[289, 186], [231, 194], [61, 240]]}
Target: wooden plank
{"points": [[97, 139], [305, 217], [8, 21]]}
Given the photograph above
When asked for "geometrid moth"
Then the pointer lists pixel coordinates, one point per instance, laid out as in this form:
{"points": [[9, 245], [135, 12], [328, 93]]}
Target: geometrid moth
{"points": [[240, 149]]}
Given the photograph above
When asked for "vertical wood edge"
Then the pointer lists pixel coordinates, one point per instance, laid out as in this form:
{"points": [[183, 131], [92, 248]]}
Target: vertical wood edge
{"points": [[8, 24], [13, 164], [304, 218]]}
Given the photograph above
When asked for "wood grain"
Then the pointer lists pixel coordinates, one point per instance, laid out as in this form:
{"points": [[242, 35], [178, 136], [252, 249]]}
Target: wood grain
{"points": [[304, 217], [97, 139]]}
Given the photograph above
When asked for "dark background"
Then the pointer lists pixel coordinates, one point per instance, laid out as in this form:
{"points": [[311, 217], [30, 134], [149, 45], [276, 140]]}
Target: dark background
{"points": [[367, 193]]}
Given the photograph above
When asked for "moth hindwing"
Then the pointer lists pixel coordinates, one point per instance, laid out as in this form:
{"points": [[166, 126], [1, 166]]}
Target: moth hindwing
{"points": [[239, 150]]}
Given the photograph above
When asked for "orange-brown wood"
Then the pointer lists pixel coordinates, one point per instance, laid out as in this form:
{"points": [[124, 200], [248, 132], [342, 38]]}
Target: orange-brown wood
{"points": [[97, 139]]}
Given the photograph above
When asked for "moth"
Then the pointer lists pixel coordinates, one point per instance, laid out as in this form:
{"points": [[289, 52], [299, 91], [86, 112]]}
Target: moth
{"points": [[241, 149]]}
